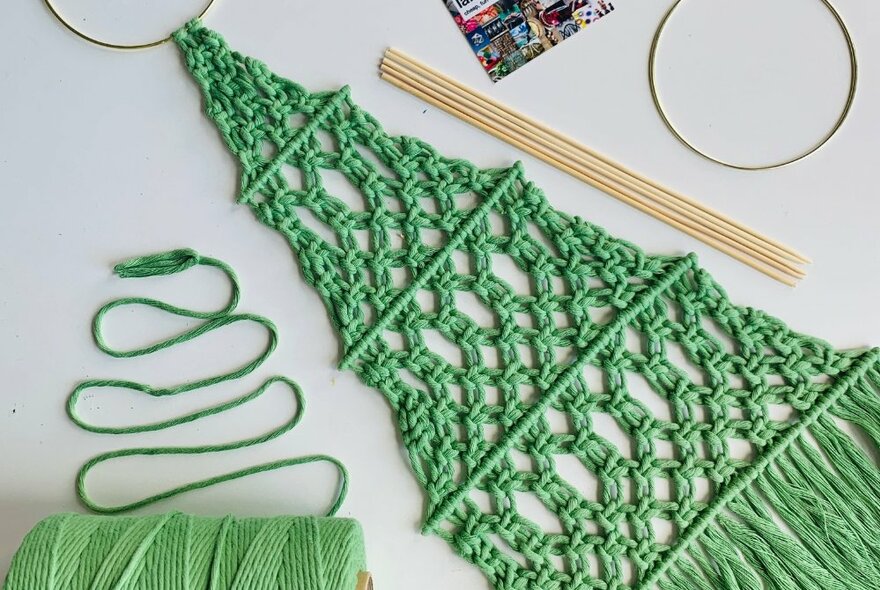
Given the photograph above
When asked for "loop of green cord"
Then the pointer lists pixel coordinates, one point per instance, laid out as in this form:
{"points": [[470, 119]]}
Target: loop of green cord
{"points": [[169, 263]]}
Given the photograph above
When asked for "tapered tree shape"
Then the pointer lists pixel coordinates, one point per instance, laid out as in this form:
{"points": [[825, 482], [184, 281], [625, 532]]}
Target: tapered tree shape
{"points": [[580, 414]]}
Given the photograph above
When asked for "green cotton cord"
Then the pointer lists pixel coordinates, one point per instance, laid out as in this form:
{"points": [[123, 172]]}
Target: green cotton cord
{"points": [[169, 263]]}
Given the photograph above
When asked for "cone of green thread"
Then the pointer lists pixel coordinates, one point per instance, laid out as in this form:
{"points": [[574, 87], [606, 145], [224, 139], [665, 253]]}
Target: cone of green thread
{"points": [[181, 552]]}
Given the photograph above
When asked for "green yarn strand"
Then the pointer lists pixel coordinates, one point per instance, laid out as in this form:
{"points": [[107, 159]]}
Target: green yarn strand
{"points": [[74, 398], [169, 263], [86, 500], [164, 264], [862, 408], [718, 558]]}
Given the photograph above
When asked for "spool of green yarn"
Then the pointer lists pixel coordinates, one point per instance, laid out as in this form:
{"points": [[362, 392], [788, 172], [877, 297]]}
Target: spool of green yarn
{"points": [[180, 552]]}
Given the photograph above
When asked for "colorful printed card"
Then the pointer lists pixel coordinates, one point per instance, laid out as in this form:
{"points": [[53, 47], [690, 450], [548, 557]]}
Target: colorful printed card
{"points": [[507, 34]]}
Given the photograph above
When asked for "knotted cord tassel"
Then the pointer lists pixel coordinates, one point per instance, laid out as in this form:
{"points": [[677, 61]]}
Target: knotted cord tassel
{"points": [[166, 263]]}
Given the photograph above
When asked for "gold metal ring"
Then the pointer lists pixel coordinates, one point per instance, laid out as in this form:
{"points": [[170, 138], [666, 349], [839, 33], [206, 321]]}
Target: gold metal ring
{"points": [[652, 67], [126, 47]]}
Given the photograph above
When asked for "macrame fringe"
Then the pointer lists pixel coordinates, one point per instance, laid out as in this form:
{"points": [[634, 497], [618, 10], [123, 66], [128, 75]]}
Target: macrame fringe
{"points": [[809, 521]]}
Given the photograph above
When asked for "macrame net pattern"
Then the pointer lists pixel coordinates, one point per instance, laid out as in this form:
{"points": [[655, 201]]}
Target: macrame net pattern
{"points": [[572, 406]]}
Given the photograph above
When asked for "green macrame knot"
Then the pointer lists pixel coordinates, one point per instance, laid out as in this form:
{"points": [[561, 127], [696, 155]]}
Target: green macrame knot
{"points": [[165, 263]]}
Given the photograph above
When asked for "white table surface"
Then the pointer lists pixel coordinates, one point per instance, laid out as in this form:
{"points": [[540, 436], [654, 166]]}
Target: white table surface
{"points": [[105, 155]]}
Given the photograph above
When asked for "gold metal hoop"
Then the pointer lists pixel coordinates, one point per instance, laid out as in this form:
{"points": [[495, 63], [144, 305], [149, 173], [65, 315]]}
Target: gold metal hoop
{"points": [[652, 79], [107, 44]]}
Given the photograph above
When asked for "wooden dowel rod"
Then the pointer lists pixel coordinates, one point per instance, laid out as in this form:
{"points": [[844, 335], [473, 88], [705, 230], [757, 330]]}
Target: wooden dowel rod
{"points": [[747, 240], [537, 125], [559, 152], [615, 191], [711, 241]]}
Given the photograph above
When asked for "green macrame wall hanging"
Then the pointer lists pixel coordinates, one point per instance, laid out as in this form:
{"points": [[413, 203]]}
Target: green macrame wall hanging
{"points": [[497, 414]]}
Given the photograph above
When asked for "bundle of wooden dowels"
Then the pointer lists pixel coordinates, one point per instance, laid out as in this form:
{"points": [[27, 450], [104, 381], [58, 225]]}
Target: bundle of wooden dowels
{"points": [[760, 252]]}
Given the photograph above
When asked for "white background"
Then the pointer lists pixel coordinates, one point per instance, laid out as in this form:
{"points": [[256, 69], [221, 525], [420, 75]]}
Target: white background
{"points": [[106, 155]]}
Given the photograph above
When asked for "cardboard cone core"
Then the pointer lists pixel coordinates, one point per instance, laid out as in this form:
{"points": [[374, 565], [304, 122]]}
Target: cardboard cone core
{"points": [[364, 581]]}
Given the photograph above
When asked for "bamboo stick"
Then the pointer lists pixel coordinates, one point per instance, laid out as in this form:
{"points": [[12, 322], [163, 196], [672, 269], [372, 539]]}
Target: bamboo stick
{"points": [[610, 166], [410, 87], [557, 151]]}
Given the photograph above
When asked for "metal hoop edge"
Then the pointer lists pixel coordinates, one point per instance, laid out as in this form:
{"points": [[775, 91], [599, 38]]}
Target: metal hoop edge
{"points": [[109, 45], [658, 104]]}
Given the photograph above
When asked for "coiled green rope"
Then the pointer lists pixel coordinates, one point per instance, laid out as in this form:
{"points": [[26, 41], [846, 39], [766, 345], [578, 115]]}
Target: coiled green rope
{"points": [[169, 263]]}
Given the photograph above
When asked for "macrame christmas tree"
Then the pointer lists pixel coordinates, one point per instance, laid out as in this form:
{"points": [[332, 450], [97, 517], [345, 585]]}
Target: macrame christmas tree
{"points": [[519, 346]]}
